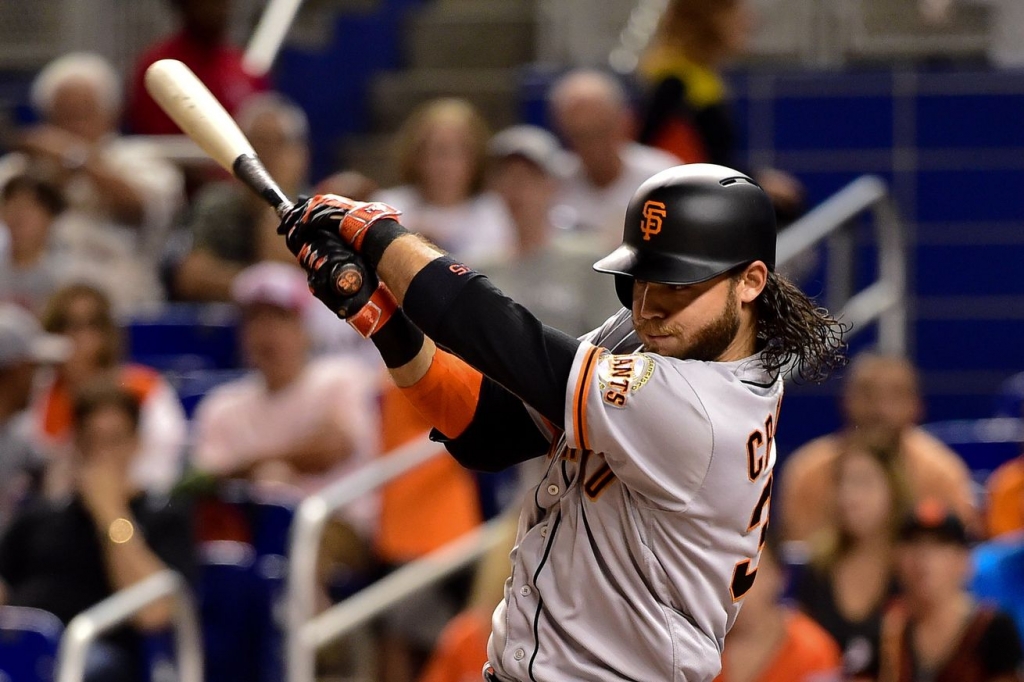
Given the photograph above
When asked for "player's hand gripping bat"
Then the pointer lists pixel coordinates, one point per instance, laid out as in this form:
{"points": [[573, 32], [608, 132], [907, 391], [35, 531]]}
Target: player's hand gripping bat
{"points": [[197, 112]]}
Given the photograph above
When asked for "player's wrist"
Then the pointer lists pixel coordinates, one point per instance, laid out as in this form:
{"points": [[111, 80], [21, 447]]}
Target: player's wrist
{"points": [[398, 340], [375, 314], [376, 241]]}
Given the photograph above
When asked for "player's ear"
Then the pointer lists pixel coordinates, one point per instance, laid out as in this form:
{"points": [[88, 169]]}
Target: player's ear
{"points": [[751, 281]]}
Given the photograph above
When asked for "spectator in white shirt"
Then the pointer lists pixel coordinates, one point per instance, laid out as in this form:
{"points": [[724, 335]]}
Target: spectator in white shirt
{"points": [[591, 112], [121, 196], [441, 158]]}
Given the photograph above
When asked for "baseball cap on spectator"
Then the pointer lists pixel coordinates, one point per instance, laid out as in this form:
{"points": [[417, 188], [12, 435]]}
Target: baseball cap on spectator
{"points": [[933, 519], [271, 283], [534, 144], [22, 339]]}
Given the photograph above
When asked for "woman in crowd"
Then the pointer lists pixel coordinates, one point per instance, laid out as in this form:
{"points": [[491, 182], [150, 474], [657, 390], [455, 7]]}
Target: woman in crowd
{"points": [[441, 159], [850, 578], [83, 314], [688, 111]]}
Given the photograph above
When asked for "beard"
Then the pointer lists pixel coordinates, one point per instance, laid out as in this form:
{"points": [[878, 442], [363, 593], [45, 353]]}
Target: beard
{"points": [[706, 343]]}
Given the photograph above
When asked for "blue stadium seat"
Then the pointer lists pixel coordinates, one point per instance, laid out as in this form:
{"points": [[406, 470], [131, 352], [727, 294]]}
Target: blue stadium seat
{"points": [[998, 571], [28, 644], [983, 443], [192, 386], [1010, 399], [185, 337], [231, 617]]}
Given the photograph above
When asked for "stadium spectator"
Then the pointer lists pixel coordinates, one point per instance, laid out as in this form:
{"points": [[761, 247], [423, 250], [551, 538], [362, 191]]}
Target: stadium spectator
{"points": [[881, 406], [230, 227], [688, 112], [551, 271], [850, 577], [421, 511], [771, 642], [937, 631], [1005, 498], [23, 347], [591, 112], [83, 313], [202, 44], [66, 555], [30, 268], [441, 162], [1006, 25], [121, 195], [293, 424]]}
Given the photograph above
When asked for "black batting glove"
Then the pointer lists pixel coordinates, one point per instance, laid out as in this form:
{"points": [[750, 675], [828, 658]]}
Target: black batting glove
{"points": [[336, 275], [310, 216]]}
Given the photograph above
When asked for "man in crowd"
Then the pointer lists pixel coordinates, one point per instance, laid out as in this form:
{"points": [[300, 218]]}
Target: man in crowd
{"points": [[591, 112], [65, 556], [882, 407]]}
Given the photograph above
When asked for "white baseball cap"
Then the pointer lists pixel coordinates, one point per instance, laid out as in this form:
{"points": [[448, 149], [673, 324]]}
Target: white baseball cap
{"points": [[22, 339], [534, 144], [272, 283]]}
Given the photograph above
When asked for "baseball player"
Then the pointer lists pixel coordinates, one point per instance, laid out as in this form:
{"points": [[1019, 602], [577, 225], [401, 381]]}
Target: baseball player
{"points": [[635, 550]]}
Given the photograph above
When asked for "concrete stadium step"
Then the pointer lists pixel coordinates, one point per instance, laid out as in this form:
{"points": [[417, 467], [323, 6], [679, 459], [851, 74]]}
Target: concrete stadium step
{"points": [[895, 28], [480, 34], [394, 95]]}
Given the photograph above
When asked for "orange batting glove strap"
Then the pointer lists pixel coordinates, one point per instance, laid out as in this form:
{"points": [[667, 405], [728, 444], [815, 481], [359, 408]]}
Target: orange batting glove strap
{"points": [[361, 218], [377, 311]]}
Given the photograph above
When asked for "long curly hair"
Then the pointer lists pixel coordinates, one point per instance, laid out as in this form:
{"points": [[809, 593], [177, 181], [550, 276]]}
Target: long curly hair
{"points": [[797, 336]]}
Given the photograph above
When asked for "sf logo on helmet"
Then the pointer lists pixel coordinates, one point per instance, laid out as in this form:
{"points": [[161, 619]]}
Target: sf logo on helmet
{"points": [[653, 213]]}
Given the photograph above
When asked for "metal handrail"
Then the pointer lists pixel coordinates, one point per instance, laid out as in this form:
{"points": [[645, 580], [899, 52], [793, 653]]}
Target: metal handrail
{"points": [[362, 607], [885, 299], [117, 609], [304, 548]]}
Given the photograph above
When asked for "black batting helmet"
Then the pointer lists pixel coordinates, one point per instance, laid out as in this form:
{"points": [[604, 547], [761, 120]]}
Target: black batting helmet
{"points": [[689, 224]]}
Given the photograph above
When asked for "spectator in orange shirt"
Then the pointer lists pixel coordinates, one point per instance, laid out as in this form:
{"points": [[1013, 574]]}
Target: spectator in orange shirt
{"points": [[1005, 492], [881, 406], [771, 642], [83, 313], [421, 511]]}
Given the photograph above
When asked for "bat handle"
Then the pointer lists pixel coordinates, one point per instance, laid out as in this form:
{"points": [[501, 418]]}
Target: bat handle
{"points": [[250, 170]]}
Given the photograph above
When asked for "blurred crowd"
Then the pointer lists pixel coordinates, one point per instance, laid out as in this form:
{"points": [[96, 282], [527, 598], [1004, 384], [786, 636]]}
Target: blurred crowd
{"points": [[106, 476]]}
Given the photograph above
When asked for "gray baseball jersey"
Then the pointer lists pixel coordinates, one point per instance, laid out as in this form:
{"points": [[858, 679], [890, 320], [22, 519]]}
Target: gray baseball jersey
{"points": [[635, 550]]}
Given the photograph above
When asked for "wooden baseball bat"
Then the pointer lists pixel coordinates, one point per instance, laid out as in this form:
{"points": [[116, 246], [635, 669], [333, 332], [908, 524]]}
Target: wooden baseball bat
{"points": [[197, 112]]}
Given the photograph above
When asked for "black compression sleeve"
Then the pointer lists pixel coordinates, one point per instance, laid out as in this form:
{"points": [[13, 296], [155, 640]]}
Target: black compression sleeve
{"points": [[398, 341], [462, 311], [502, 433]]}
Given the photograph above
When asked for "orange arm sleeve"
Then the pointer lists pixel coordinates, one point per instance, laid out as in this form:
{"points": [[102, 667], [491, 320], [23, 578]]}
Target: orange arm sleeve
{"points": [[447, 395]]}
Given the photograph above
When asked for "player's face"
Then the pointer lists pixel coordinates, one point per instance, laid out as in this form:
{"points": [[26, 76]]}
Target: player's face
{"points": [[690, 322]]}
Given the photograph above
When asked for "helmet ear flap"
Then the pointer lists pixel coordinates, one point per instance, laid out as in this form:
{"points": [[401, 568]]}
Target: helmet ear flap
{"points": [[624, 290]]}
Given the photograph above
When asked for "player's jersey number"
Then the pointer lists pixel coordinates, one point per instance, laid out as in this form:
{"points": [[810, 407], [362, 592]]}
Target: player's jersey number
{"points": [[759, 446]]}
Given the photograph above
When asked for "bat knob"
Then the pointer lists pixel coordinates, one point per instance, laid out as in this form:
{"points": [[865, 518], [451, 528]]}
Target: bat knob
{"points": [[348, 279]]}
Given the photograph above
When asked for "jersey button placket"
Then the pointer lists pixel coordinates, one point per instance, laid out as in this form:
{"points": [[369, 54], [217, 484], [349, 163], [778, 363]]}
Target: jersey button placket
{"points": [[519, 654], [553, 489], [525, 591]]}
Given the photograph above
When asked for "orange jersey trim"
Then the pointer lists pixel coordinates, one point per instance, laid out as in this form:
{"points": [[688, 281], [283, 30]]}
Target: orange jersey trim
{"points": [[579, 409], [447, 395]]}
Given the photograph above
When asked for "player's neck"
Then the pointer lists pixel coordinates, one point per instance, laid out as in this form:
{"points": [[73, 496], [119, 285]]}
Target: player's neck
{"points": [[743, 345]]}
